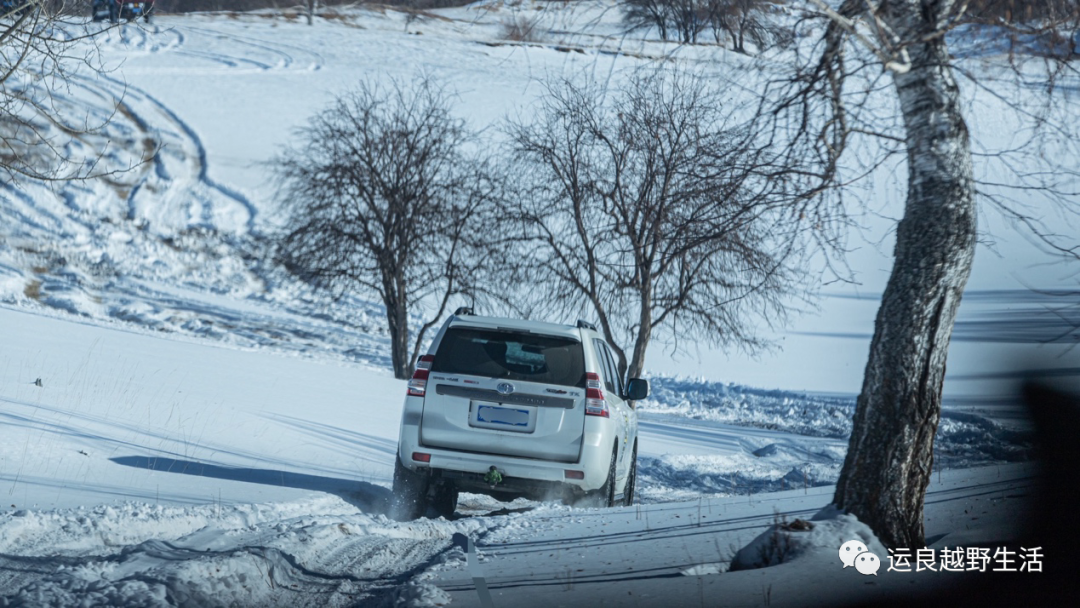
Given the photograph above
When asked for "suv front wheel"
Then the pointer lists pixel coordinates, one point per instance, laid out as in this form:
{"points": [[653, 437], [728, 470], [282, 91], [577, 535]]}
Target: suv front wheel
{"points": [[631, 482]]}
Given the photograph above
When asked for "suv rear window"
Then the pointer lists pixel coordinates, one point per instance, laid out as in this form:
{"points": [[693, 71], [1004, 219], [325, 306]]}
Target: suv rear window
{"points": [[511, 355]]}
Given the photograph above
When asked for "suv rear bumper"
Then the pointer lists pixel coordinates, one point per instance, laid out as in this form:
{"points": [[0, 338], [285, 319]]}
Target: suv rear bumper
{"points": [[510, 487], [521, 476]]}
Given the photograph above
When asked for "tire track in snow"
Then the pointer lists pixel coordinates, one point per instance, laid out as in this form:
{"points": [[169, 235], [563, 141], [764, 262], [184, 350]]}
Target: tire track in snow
{"points": [[286, 60], [23, 216], [91, 231], [266, 555], [227, 61], [159, 166], [186, 147], [33, 204], [126, 108], [266, 55], [149, 38]]}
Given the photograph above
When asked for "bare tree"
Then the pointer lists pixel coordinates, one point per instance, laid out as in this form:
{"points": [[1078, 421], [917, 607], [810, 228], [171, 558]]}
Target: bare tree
{"points": [[1016, 12], [746, 21], [381, 196], [835, 96], [741, 21], [685, 19], [645, 14], [650, 212], [688, 18], [1055, 24]]}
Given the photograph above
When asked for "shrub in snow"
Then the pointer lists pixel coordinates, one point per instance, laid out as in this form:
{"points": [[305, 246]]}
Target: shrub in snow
{"points": [[521, 28]]}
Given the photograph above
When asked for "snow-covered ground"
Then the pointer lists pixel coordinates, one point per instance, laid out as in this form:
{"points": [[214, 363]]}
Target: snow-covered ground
{"points": [[173, 244], [144, 470], [208, 432]]}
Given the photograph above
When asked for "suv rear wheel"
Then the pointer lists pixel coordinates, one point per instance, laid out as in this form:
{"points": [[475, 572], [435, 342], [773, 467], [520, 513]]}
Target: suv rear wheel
{"points": [[607, 492], [444, 500], [410, 494], [605, 496]]}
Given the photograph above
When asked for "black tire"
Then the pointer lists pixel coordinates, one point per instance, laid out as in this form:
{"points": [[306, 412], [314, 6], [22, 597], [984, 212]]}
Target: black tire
{"points": [[444, 501], [409, 500], [605, 496], [631, 482]]}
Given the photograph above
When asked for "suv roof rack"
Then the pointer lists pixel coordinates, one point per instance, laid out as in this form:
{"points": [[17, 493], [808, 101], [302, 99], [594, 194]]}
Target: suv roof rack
{"points": [[586, 325], [464, 310]]}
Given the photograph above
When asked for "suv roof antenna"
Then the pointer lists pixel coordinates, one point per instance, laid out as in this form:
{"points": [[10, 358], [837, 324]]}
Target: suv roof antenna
{"points": [[585, 324], [464, 310]]}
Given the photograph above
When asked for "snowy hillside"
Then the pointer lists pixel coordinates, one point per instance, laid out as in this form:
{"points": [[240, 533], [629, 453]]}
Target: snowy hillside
{"points": [[184, 425], [173, 244]]}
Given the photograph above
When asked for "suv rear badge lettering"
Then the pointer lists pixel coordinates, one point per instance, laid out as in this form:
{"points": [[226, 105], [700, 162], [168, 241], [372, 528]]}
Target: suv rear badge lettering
{"points": [[504, 388]]}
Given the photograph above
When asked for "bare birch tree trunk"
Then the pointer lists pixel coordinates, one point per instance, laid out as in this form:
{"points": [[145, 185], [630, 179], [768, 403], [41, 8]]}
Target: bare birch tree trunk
{"points": [[641, 344], [399, 340], [397, 317], [890, 455]]}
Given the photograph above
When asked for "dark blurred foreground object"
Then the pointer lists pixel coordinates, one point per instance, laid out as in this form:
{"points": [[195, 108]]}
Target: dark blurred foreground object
{"points": [[1051, 523]]}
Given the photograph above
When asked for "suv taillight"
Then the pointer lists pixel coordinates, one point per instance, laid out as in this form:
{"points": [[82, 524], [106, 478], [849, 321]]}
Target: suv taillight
{"points": [[594, 396], [418, 383]]}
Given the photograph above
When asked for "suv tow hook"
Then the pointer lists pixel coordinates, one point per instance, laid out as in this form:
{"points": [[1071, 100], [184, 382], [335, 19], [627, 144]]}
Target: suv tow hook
{"points": [[493, 477]]}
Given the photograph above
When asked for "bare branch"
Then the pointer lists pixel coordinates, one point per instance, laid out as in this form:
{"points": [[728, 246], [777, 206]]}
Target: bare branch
{"points": [[651, 213]]}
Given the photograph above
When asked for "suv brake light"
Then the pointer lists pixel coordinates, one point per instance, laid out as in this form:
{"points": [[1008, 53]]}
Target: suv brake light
{"points": [[595, 405], [418, 383]]}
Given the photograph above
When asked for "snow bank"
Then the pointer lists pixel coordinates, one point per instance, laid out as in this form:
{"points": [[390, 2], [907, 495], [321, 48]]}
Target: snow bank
{"points": [[822, 538], [964, 439], [317, 552]]}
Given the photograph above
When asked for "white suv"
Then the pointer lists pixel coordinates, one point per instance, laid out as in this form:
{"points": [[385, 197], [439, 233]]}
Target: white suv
{"points": [[514, 408]]}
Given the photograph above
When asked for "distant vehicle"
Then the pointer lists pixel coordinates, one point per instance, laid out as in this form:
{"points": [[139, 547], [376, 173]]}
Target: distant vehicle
{"points": [[513, 408], [13, 7], [115, 10]]}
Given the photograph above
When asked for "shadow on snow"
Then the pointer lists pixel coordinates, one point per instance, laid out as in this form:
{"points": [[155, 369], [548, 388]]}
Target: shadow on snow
{"points": [[367, 497]]}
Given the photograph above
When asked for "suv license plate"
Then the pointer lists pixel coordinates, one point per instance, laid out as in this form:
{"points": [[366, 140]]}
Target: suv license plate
{"points": [[511, 417]]}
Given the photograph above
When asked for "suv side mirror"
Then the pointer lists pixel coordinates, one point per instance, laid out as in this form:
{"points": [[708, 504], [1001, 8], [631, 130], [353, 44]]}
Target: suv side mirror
{"points": [[637, 389]]}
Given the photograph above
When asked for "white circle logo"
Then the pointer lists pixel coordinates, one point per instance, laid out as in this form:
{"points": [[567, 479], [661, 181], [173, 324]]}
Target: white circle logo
{"points": [[867, 563], [849, 550]]}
